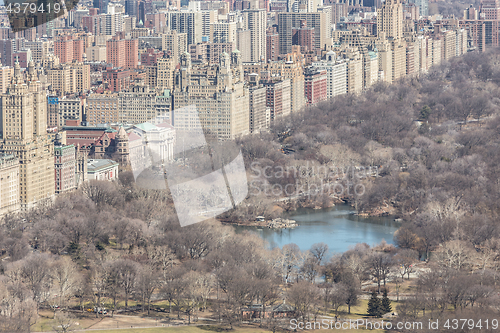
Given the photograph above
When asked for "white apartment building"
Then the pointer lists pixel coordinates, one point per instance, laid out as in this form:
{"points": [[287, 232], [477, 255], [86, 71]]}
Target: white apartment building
{"points": [[336, 72]]}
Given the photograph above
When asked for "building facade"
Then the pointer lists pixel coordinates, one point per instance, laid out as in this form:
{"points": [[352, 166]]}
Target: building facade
{"points": [[102, 169], [64, 167], [9, 183], [219, 94], [23, 131]]}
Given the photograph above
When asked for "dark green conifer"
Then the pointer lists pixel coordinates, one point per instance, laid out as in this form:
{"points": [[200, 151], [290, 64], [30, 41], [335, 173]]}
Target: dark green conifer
{"points": [[386, 303], [375, 306]]}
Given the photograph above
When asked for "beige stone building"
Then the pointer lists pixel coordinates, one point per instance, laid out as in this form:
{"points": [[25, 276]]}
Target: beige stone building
{"points": [[398, 60], [103, 109], [161, 75], [219, 94], [23, 131], [96, 53], [9, 183], [6, 74], [291, 67], [69, 78], [39, 48], [137, 105], [175, 42], [255, 20], [390, 19]]}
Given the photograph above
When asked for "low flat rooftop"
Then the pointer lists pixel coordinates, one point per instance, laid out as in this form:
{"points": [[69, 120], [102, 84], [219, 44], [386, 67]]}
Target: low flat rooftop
{"points": [[95, 165]]}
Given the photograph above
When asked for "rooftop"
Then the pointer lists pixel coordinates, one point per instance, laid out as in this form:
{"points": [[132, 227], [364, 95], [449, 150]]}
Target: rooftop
{"points": [[100, 164]]}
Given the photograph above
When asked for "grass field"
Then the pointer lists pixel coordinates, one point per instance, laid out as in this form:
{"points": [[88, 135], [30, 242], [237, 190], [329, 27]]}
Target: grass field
{"points": [[155, 323], [196, 329], [188, 329]]}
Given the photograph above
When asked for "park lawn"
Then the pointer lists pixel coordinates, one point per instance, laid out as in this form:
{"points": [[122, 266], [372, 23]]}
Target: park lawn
{"points": [[357, 312], [186, 329], [195, 329], [45, 321], [360, 311]]}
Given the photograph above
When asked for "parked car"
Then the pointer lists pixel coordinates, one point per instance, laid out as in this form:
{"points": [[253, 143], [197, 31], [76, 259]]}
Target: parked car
{"points": [[100, 310]]}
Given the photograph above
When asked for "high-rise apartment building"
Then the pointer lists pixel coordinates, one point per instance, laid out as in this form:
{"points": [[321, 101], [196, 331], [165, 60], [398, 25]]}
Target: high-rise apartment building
{"points": [[423, 6], [23, 132], [137, 105], [272, 46], [117, 79], [69, 78], [175, 42], [208, 17], [59, 110], [223, 32], [336, 73], [188, 22], [122, 52], [288, 21], [69, 49], [260, 114], [255, 20], [490, 10], [210, 52], [304, 37], [6, 74], [96, 53], [70, 108], [219, 94], [64, 166], [39, 49], [315, 85], [278, 95], [390, 20], [9, 183], [243, 44]]}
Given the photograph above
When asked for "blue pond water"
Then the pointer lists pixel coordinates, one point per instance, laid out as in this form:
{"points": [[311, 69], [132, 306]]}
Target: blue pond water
{"points": [[338, 227]]}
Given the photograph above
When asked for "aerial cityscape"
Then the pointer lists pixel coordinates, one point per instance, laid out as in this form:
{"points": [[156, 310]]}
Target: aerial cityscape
{"points": [[249, 165]]}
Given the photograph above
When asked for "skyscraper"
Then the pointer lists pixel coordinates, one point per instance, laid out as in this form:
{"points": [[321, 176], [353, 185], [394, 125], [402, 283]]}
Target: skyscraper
{"points": [[288, 21], [23, 133], [390, 20], [186, 22], [423, 6], [220, 96], [255, 21]]}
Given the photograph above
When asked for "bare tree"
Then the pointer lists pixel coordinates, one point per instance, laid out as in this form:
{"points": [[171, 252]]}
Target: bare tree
{"points": [[379, 265], [318, 251], [148, 280], [405, 259], [456, 254], [127, 273], [64, 322], [304, 297], [34, 272], [67, 277]]}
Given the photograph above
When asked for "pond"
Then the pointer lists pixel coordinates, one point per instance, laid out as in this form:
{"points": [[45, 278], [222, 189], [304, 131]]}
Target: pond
{"points": [[338, 227]]}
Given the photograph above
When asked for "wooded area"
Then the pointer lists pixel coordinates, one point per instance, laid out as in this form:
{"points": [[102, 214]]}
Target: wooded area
{"points": [[435, 141]]}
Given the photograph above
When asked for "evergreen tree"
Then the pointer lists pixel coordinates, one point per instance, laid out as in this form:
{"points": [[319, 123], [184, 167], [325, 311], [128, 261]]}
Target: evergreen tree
{"points": [[386, 302], [425, 112], [375, 306]]}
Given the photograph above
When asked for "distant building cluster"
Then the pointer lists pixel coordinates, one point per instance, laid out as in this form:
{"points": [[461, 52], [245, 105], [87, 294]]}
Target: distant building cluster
{"points": [[109, 77]]}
